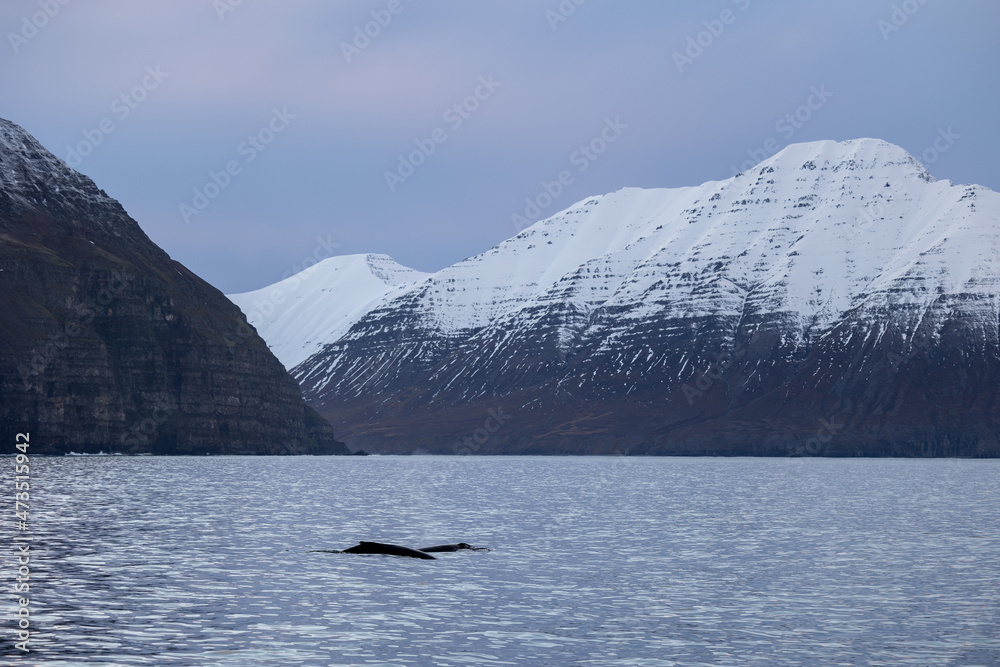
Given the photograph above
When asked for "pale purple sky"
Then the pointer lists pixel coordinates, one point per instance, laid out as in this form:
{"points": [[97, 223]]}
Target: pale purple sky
{"points": [[308, 116]]}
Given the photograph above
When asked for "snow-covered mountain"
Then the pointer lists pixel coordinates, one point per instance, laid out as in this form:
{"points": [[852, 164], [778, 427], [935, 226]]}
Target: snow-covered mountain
{"points": [[834, 298], [300, 314]]}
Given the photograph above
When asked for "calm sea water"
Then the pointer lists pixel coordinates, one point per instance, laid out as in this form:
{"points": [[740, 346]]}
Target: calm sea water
{"points": [[595, 561]]}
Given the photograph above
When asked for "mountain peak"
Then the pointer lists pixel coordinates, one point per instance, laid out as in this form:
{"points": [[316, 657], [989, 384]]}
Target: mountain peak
{"points": [[305, 310], [33, 179], [863, 154], [26, 165]]}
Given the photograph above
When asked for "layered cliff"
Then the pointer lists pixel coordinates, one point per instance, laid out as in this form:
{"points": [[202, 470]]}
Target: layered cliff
{"points": [[107, 344]]}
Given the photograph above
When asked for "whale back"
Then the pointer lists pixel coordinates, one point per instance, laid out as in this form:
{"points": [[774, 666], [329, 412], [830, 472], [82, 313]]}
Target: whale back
{"points": [[388, 549], [452, 547]]}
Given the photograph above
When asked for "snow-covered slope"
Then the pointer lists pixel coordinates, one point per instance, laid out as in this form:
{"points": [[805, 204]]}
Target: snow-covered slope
{"points": [[825, 255], [300, 314]]}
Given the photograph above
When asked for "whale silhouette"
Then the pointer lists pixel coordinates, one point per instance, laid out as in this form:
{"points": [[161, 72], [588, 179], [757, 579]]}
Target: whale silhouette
{"points": [[423, 553], [387, 549], [451, 547]]}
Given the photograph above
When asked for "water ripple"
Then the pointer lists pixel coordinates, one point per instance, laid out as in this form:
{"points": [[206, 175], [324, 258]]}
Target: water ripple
{"points": [[595, 561]]}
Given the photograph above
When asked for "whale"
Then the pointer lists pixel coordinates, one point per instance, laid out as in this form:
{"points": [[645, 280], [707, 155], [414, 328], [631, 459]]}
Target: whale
{"points": [[423, 553], [451, 547], [388, 550]]}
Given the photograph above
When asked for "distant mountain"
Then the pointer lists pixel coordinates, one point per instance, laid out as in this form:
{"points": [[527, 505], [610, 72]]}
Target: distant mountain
{"points": [[835, 299], [300, 314], [106, 344]]}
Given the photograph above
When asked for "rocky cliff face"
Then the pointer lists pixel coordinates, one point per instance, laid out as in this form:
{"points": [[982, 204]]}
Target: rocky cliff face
{"points": [[835, 299], [106, 344]]}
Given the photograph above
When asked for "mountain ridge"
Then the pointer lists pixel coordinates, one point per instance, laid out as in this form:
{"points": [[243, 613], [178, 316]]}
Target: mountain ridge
{"points": [[591, 323], [337, 290]]}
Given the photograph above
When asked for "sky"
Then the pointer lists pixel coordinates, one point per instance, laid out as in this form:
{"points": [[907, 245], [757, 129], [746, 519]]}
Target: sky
{"points": [[250, 138]]}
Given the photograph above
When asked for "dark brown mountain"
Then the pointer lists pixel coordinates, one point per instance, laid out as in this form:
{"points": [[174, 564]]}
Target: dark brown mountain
{"points": [[107, 344]]}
